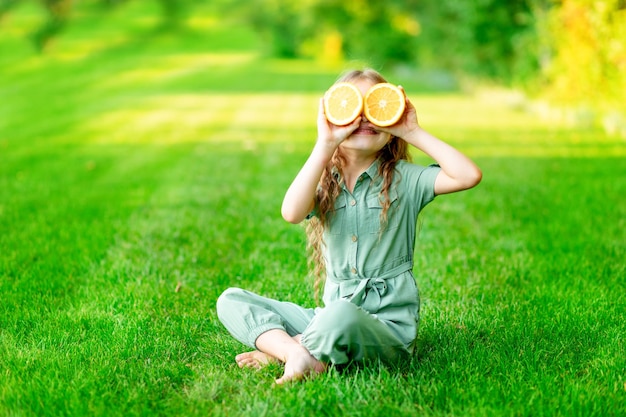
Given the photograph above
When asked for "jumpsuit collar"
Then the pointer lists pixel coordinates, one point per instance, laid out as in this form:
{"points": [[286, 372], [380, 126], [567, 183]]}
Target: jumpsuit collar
{"points": [[372, 172]]}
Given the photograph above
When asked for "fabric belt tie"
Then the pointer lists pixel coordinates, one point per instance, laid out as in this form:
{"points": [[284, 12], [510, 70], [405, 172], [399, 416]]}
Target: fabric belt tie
{"points": [[366, 292]]}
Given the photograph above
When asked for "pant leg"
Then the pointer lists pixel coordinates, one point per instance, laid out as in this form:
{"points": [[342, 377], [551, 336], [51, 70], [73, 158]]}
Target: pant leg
{"points": [[343, 332], [247, 315]]}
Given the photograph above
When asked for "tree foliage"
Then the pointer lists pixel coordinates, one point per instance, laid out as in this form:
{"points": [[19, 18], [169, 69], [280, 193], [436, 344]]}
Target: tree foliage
{"points": [[376, 31], [59, 14], [490, 38], [573, 49], [588, 45]]}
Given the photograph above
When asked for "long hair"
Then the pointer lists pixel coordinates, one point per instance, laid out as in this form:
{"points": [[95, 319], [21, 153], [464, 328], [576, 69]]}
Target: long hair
{"points": [[330, 187]]}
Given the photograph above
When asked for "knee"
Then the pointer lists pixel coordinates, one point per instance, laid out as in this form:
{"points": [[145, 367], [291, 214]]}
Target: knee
{"points": [[340, 316], [335, 332], [227, 299]]}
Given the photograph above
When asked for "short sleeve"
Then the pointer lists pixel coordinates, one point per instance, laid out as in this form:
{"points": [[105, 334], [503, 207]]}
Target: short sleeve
{"points": [[418, 182], [313, 212], [316, 207]]}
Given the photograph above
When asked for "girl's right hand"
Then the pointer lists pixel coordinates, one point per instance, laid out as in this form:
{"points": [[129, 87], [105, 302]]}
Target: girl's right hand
{"points": [[332, 135], [300, 196]]}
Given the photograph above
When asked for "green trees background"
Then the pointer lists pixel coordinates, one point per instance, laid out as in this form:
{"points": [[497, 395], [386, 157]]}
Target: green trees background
{"points": [[569, 51]]}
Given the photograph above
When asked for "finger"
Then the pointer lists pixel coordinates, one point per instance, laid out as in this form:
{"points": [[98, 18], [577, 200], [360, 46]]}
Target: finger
{"points": [[409, 106], [348, 129], [320, 109], [403, 92]]}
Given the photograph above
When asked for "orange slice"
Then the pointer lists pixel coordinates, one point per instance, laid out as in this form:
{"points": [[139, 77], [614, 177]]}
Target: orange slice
{"points": [[384, 104], [343, 103]]}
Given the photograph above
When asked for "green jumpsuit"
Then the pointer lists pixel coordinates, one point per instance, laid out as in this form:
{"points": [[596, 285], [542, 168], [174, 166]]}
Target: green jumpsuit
{"points": [[371, 301]]}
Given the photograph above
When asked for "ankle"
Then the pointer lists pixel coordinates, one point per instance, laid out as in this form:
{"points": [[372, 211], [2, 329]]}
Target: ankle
{"points": [[296, 351]]}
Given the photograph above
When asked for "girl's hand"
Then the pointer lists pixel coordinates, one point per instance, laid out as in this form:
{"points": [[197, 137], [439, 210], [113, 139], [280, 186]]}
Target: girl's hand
{"points": [[458, 172], [300, 197], [407, 124], [332, 135]]}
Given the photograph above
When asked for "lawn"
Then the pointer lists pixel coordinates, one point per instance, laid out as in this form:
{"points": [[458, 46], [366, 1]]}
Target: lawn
{"points": [[142, 173]]}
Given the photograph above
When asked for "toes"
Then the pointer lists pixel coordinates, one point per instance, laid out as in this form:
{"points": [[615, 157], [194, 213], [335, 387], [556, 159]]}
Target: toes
{"points": [[287, 378], [249, 363]]}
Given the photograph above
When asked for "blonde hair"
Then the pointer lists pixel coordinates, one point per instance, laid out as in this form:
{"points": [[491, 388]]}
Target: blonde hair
{"points": [[330, 187]]}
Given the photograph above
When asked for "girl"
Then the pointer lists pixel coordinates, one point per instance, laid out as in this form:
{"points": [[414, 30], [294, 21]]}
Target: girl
{"points": [[363, 197]]}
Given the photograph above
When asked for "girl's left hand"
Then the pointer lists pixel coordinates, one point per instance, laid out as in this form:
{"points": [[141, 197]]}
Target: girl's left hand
{"points": [[407, 123]]}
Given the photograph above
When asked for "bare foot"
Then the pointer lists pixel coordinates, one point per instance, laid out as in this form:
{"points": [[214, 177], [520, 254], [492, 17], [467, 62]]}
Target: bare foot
{"points": [[255, 359], [299, 365]]}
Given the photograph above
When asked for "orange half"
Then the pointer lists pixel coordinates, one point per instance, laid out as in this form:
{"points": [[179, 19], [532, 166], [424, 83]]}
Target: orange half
{"points": [[384, 104], [343, 103]]}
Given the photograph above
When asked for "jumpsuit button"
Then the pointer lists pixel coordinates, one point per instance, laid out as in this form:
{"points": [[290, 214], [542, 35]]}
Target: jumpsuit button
{"points": [[353, 202], [353, 270], [354, 238]]}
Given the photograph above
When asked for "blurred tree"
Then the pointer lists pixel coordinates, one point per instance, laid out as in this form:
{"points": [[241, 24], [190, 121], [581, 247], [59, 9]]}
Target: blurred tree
{"points": [[58, 12], [5, 6], [588, 64], [283, 24], [378, 32], [493, 39], [574, 49], [174, 12]]}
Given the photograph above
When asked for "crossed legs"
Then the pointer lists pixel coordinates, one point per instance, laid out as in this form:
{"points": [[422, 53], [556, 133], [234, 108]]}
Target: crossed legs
{"points": [[273, 328], [305, 340]]}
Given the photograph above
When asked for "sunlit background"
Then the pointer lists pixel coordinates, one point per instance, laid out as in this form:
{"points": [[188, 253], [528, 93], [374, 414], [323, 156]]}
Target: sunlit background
{"points": [[563, 61]]}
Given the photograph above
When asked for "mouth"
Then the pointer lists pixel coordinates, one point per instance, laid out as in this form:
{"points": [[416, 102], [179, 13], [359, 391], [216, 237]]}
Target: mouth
{"points": [[364, 130]]}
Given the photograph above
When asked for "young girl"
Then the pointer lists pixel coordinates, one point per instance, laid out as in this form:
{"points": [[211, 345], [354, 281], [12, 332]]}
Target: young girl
{"points": [[363, 197]]}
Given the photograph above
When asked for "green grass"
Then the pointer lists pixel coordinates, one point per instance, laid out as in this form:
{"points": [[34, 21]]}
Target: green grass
{"points": [[141, 177]]}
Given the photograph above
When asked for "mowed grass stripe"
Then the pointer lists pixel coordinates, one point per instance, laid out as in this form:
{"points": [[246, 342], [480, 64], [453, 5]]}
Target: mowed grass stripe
{"points": [[48, 350], [171, 236], [519, 277], [89, 332]]}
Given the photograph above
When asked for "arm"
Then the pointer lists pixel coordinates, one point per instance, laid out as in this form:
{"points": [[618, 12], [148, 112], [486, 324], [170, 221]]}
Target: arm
{"points": [[300, 197], [458, 172]]}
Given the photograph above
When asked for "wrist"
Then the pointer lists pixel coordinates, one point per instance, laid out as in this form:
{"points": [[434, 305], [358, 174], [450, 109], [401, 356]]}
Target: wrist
{"points": [[323, 151], [414, 136]]}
